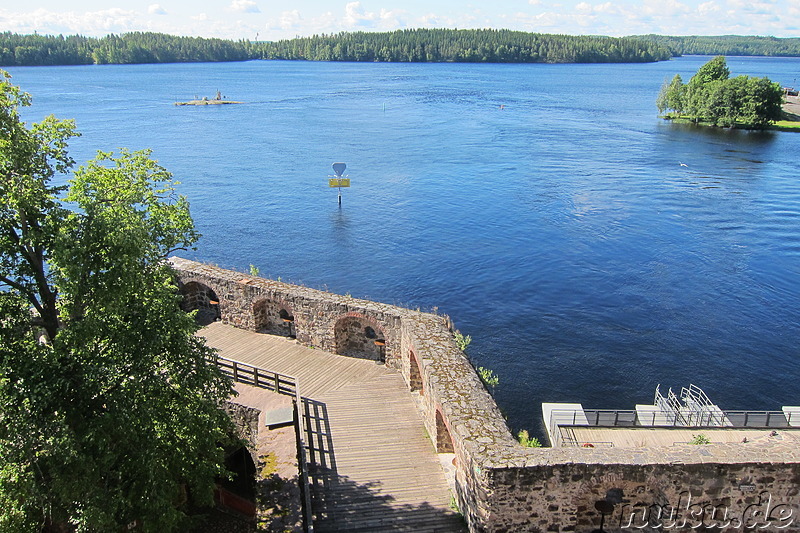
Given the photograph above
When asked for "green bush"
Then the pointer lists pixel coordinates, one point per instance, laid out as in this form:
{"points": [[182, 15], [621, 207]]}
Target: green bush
{"points": [[528, 441]]}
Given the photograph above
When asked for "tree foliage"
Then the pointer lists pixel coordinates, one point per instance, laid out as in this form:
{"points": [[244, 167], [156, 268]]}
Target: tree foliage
{"points": [[417, 45], [423, 45], [109, 409], [727, 45], [465, 46], [713, 97], [134, 47]]}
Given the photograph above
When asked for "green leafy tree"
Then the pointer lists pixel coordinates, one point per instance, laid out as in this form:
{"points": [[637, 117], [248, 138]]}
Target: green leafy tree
{"points": [[714, 70], [762, 102], [672, 95], [662, 102], [110, 412], [712, 97], [697, 90]]}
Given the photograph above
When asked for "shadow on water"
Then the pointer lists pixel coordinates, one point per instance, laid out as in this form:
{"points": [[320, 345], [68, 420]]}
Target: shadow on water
{"points": [[726, 135], [342, 504]]}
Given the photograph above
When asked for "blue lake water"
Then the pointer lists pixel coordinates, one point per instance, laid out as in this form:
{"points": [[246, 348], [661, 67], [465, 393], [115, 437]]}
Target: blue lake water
{"points": [[560, 232]]}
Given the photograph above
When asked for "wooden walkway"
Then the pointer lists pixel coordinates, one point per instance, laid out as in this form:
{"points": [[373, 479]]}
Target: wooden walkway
{"points": [[373, 467]]}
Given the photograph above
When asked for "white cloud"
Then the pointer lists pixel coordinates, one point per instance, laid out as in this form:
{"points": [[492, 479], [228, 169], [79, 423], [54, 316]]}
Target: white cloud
{"points": [[355, 14], [433, 20], [245, 6], [707, 8], [102, 22], [604, 17], [289, 20]]}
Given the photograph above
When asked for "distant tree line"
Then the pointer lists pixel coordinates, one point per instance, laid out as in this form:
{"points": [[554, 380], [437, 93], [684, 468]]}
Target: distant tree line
{"points": [[727, 45], [486, 46], [713, 97], [136, 47], [465, 46], [420, 45]]}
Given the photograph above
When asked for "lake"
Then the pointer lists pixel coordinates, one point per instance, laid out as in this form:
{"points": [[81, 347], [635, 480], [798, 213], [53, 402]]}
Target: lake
{"points": [[543, 207]]}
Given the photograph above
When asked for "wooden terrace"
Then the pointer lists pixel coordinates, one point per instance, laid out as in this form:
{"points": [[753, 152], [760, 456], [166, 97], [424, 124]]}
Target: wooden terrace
{"points": [[372, 465]]}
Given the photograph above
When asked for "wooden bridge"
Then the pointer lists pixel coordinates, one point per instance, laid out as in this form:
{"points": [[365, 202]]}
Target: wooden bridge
{"points": [[373, 468]]}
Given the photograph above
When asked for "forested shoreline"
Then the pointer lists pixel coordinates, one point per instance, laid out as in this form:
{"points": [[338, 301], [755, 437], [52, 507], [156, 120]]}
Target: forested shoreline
{"points": [[727, 45], [466, 46], [135, 47], [418, 45]]}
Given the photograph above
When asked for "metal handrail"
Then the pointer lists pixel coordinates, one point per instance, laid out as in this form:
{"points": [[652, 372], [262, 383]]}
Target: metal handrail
{"points": [[628, 418], [281, 384]]}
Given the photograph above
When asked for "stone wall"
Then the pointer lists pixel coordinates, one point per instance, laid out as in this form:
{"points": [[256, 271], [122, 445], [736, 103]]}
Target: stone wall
{"points": [[245, 420], [558, 489], [501, 486]]}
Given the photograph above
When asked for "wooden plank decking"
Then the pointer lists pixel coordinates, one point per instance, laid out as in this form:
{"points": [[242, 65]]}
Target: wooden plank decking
{"points": [[373, 466]]}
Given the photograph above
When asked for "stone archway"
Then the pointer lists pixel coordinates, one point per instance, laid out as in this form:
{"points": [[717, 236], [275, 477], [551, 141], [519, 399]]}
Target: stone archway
{"points": [[415, 375], [444, 442], [201, 297], [272, 317], [357, 336]]}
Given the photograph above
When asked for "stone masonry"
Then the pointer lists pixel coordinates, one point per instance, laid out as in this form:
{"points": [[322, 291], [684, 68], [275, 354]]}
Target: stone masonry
{"points": [[500, 485]]}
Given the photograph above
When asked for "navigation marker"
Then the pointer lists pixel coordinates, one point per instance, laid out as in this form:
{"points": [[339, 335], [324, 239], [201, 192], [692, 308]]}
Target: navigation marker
{"points": [[339, 180]]}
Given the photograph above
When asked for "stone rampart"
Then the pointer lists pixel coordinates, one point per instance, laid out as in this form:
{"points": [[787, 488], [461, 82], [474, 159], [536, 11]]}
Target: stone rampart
{"points": [[500, 485]]}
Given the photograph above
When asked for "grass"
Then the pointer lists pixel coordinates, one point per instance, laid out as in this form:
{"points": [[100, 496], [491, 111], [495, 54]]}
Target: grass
{"points": [[780, 125], [786, 125]]}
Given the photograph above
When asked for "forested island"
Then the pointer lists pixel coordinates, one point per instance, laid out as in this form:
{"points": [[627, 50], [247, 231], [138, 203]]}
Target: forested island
{"points": [[416, 45], [712, 97]]}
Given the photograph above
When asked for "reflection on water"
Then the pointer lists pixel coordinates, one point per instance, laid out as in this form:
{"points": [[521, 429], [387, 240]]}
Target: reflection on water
{"points": [[340, 226]]}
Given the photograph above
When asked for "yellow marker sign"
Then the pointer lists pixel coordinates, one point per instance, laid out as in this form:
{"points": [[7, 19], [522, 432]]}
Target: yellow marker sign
{"points": [[339, 182]]}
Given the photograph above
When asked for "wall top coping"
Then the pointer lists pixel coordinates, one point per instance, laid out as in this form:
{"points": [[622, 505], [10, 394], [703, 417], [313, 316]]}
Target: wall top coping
{"points": [[231, 276]]}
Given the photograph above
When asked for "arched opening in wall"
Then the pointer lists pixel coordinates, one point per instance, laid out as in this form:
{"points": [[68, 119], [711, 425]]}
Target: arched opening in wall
{"points": [[239, 492], [355, 337], [272, 317], [199, 296], [415, 376], [444, 442]]}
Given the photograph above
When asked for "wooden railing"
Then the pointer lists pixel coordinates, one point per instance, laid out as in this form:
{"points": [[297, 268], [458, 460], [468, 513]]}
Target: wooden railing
{"points": [[257, 377], [289, 386]]}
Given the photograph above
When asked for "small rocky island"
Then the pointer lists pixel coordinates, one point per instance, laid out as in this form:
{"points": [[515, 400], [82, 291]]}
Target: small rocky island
{"points": [[217, 100]]}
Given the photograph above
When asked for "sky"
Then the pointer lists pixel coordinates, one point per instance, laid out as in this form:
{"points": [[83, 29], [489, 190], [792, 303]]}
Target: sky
{"points": [[281, 19]]}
